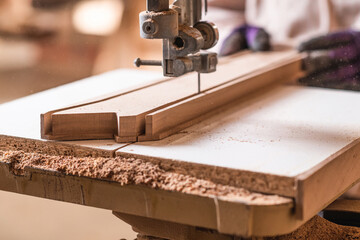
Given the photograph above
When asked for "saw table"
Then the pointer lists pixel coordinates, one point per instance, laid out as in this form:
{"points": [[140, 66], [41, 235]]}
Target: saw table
{"points": [[262, 167]]}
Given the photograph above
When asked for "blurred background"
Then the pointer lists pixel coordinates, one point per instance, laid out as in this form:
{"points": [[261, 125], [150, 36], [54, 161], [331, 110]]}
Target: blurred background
{"points": [[29, 218], [47, 43]]}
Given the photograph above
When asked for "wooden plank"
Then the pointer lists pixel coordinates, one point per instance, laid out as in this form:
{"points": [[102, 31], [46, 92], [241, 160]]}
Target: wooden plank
{"points": [[169, 120], [128, 87], [132, 104], [21, 118], [287, 141], [98, 120]]}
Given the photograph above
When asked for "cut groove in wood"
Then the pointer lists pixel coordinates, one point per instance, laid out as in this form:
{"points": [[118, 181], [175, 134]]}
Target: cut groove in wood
{"points": [[167, 121], [156, 111]]}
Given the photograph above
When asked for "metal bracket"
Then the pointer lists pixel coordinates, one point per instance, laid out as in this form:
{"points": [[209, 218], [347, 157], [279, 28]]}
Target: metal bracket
{"points": [[184, 36]]}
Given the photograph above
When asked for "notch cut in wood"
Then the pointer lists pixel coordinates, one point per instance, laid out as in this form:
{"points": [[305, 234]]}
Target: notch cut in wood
{"points": [[159, 110]]}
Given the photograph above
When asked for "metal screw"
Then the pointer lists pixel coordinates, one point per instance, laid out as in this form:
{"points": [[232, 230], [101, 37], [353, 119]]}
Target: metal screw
{"points": [[138, 62], [149, 27]]}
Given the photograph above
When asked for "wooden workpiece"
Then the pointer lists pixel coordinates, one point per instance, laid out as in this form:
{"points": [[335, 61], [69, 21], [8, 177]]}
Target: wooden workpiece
{"points": [[159, 110], [288, 140], [21, 117]]}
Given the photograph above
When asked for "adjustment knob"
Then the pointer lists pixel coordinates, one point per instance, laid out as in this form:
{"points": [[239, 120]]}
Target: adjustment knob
{"points": [[210, 33]]}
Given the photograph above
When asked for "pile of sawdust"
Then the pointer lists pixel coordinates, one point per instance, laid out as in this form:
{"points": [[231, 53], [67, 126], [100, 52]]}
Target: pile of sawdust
{"points": [[131, 171], [321, 229], [315, 229]]}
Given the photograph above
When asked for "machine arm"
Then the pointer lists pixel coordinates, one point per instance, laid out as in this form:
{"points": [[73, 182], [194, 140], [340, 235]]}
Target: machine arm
{"points": [[184, 36]]}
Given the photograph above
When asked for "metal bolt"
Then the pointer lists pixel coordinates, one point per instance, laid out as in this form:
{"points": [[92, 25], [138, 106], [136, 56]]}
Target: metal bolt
{"points": [[138, 62], [149, 27]]}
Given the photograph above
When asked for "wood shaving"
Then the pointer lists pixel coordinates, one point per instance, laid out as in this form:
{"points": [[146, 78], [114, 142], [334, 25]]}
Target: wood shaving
{"points": [[132, 171]]}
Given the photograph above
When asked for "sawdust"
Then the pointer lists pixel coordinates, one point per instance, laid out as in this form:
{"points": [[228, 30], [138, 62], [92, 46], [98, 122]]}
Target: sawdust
{"points": [[279, 185], [318, 229], [131, 171]]}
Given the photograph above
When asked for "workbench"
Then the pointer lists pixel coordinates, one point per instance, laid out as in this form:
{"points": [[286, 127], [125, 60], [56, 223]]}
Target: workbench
{"points": [[262, 167]]}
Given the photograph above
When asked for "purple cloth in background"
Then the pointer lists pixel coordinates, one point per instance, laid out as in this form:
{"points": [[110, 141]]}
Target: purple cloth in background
{"points": [[251, 34], [333, 61], [245, 37]]}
